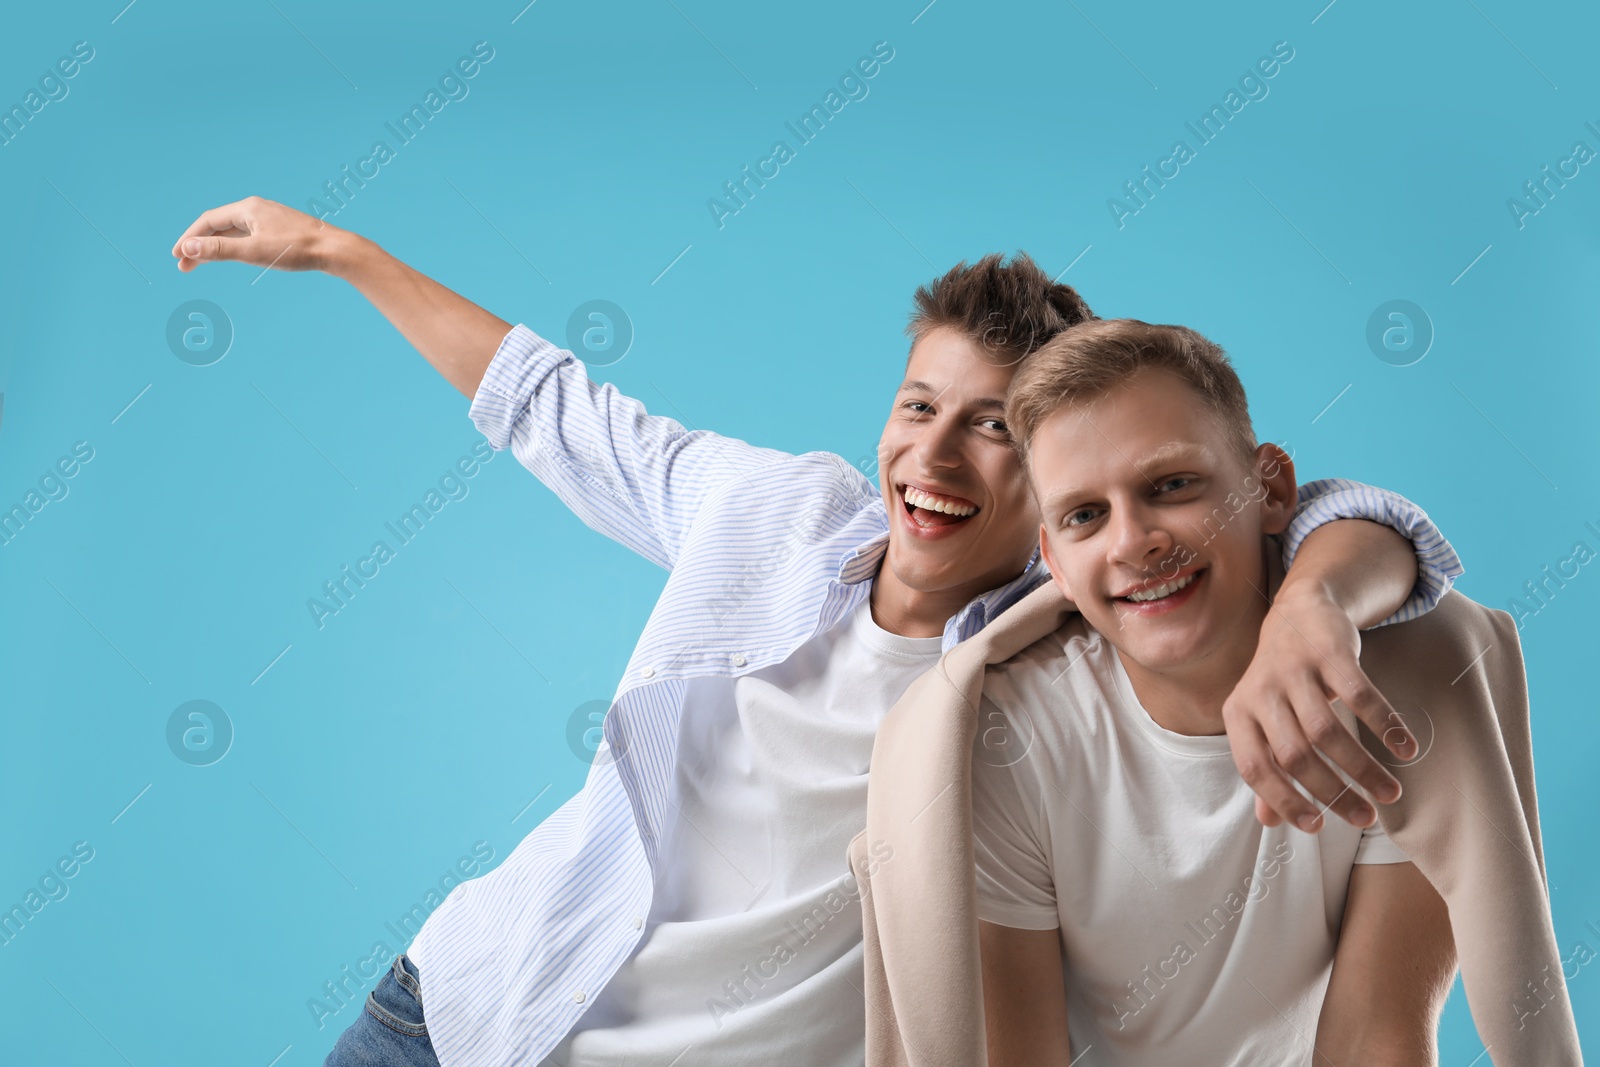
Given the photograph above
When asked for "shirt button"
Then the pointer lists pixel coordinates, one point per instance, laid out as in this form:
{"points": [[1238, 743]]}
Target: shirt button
{"points": [[638, 923], [738, 660], [649, 672], [578, 997]]}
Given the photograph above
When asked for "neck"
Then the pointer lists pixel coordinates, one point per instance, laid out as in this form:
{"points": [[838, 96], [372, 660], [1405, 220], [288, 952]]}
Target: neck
{"points": [[1188, 698], [909, 612], [901, 609]]}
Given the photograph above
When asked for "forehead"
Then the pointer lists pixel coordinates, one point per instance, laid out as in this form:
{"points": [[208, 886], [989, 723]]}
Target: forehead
{"points": [[948, 360], [1127, 435]]}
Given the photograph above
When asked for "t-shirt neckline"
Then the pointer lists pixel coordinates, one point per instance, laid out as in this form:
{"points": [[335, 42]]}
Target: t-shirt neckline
{"points": [[869, 633], [1202, 745]]}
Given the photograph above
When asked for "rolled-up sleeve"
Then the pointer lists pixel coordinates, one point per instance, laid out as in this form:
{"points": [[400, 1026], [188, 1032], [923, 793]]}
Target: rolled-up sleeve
{"points": [[638, 478], [1330, 499]]}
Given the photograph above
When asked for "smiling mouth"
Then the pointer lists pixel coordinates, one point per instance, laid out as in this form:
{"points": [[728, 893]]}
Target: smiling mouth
{"points": [[935, 509], [1164, 590]]}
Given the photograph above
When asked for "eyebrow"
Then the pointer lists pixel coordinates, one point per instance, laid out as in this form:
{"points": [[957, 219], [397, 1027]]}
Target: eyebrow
{"points": [[1167, 455], [985, 402]]}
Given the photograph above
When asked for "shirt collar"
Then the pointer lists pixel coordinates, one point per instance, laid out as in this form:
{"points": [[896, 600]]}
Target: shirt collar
{"points": [[862, 563]]}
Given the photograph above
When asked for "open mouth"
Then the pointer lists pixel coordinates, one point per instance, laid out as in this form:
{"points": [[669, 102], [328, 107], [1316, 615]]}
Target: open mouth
{"points": [[929, 509], [1170, 592]]}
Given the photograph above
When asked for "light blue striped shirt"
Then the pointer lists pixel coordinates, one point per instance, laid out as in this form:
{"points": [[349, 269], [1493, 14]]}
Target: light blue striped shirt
{"points": [[511, 960]]}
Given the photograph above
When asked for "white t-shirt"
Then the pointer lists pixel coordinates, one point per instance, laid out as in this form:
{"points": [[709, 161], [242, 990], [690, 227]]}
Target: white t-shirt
{"points": [[753, 947], [1190, 933]]}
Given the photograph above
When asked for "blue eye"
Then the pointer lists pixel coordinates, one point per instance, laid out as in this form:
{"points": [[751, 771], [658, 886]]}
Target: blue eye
{"points": [[1071, 516]]}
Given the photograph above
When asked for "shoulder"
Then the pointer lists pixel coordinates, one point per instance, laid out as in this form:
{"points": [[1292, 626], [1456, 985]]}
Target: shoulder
{"points": [[818, 493], [1057, 687], [1073, 641], [813, 498]]}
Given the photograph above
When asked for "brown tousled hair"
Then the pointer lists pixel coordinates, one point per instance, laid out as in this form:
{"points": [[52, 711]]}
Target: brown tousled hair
{"points": [[1007, 309], [1090, 359]]}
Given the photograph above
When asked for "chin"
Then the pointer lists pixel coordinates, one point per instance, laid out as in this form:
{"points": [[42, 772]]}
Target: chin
{"points": [[1154, 650], [923, 576]]}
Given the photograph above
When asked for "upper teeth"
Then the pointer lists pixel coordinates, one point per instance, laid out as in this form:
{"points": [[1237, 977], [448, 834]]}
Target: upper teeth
{"points": [[927, 501], [1161, 590]]}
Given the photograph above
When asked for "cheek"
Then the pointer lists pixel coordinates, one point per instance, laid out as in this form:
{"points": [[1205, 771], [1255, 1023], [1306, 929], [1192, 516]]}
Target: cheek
{"points": [[1017, 502], [1004, 476], [1067, 571]]}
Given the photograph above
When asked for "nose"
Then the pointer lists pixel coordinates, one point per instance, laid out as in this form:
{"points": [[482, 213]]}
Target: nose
{"points": [[937, 445], [1136, 541]]}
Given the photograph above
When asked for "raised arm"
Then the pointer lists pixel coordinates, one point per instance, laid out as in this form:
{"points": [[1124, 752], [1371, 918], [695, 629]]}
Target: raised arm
{"points": [[638, 478], [1024, 996], [455, 335], [1392, 972]]}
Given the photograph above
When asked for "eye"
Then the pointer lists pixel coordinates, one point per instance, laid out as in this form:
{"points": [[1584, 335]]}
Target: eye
{"points": [[1072, 518], [997, 426], [917, 407], [1175, 483]]}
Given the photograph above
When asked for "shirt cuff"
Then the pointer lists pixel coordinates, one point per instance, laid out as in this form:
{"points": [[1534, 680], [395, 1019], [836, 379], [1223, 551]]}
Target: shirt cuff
{"points": [[520, 364], [1328, 499]]}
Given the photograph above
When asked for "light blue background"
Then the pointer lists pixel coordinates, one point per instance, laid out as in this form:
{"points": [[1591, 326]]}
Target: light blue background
{"points": [[430, 712]]}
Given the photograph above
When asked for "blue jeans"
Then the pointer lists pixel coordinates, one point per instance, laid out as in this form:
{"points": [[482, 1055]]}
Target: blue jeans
{"points": [[390, 1032]]}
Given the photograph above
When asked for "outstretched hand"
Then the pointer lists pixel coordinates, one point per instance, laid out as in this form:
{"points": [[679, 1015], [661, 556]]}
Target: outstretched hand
{"points": [[1283, 729], [260, 232]]}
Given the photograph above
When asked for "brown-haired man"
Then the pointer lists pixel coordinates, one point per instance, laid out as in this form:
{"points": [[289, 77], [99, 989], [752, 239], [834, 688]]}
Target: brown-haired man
{"points": [[694, 900]]}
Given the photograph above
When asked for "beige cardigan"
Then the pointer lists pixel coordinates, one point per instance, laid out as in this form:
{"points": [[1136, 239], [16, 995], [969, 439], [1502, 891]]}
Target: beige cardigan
{"points": [[1467, 817]]}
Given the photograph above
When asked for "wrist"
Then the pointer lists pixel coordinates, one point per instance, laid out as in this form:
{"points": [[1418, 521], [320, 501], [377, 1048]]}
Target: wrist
{"points": [[346, 255], [1306, 589]]}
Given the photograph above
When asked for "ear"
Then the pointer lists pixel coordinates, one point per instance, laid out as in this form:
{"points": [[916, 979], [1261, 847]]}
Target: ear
{"points": [[1280, 491], [1056, 576]]}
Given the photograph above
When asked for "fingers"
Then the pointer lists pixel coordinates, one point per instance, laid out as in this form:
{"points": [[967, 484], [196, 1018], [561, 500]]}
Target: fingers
{"points": [[1279, 748], [1265, 815], [216, 234], [1297, 741], [229, 218], [1351, 685], [1324, 730], [203, 249], [1273, 787], [259, 232]]}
